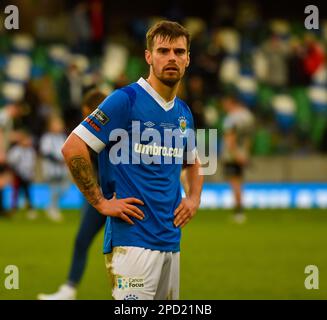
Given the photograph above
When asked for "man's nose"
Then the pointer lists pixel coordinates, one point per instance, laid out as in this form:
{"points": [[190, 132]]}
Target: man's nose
{"points": [[172, 56]]}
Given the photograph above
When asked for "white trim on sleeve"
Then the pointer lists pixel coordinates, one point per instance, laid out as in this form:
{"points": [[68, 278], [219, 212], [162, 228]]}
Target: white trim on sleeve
{"points": [[89, 138]]}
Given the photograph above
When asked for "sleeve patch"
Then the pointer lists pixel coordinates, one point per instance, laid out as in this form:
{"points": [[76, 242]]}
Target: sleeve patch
{"points": [[100, 116]]}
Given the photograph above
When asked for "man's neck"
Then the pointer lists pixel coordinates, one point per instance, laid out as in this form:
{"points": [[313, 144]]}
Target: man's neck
{"points": [[166, 92]]}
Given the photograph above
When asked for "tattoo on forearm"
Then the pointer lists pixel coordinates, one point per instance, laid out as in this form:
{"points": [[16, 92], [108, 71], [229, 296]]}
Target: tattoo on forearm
{"points": [[85, 179]]}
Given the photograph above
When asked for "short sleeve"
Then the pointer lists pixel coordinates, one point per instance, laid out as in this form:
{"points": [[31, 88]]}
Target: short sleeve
{"points": [[113, 113]]}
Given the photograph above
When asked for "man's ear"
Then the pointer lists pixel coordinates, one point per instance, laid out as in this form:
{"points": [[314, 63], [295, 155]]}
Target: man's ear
{"points": [[148, 57], [188, 60]]}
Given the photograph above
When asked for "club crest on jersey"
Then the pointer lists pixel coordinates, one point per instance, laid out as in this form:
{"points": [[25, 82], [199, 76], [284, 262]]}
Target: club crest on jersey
{"points": [[182, 124]]}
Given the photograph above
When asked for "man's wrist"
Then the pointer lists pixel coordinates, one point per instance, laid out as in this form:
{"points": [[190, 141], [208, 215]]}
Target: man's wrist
{"points": [[98, 205], [196, 199]]}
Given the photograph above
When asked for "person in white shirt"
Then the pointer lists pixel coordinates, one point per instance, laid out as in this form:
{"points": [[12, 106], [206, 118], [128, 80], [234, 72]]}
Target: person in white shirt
{"points": [[238, 127], [54, 169], [7, 115], [22, 160]]}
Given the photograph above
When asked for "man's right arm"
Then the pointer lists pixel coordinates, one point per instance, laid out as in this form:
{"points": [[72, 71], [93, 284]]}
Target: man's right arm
{"points": [[78, 160]]}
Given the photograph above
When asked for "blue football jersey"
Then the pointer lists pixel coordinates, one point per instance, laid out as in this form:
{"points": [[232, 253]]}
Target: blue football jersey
{"points": [[147, 140], [107, 183]]}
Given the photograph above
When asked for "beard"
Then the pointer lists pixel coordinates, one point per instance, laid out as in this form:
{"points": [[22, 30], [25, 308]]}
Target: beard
{"points": [[169, 81]]}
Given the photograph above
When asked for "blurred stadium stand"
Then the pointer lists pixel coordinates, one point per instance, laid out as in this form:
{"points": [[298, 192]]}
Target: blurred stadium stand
{"points": [[277, 67]]}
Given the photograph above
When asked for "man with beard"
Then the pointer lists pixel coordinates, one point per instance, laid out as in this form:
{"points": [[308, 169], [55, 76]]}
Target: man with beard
{"points": [[155, 135]]}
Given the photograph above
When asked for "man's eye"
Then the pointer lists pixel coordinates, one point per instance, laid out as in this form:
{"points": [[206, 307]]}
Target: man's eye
{"points": [[180, 51]]}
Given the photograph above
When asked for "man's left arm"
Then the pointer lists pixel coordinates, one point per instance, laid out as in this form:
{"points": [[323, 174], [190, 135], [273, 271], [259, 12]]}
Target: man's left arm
{"points": [[189, 205]]}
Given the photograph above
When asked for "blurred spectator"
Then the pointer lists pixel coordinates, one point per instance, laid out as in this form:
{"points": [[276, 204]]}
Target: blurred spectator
{"points": [[196, 97], [35, 116], [22, 162], [238, 127], [231, 42], [314, 55], [70, 93], [54, 168], [97, 26], [207, 62], [7, 116], [296, 67], [90, 225], [275, 52], [81, 28]]}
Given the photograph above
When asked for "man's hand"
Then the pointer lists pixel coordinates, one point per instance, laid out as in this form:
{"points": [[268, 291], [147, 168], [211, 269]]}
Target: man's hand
{"points": [[77, 157], [185, 211], [121, 208]]}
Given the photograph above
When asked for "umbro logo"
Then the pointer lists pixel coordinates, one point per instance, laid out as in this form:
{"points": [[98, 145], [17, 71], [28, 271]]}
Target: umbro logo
{"points": [[149, 124]]}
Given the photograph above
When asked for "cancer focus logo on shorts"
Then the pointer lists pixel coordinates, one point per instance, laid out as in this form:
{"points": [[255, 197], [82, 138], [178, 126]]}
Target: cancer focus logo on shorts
{"points": [[124, 283]]}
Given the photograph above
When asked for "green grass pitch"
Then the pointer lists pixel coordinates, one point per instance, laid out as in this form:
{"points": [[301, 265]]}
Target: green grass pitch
{"points": [[264, 258]]}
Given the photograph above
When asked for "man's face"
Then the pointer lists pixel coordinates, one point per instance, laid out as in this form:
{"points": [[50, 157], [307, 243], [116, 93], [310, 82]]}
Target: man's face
{"points": [[168, 59]]}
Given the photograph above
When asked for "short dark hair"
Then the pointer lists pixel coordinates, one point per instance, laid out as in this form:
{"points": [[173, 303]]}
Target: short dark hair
{"points": [[93, 98], [168, 30]]}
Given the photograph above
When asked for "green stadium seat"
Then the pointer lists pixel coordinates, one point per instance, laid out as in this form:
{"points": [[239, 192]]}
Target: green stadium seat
{"points": [[40, 57], [265, 95], [320, 123], [303, 111], [262, 145]]}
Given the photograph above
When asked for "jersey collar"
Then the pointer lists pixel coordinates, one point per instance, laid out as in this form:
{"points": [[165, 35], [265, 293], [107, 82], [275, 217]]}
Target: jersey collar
{"points": [[155, 95]]}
